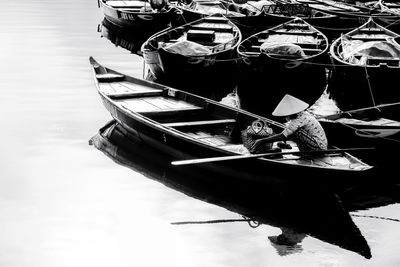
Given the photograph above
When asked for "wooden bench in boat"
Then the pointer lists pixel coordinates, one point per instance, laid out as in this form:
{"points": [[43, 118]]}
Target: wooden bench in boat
{"points": [[215, 28], [216, 20], [133, 94], [200, 35], [368, 39], [296, 26], [160, 106], [371, 31], [199, 123], [109, 77], [285, 32]]}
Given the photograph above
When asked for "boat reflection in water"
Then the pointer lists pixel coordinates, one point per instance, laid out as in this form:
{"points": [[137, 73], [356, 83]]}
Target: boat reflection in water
{"points": [[127, 39], [298, 212]]}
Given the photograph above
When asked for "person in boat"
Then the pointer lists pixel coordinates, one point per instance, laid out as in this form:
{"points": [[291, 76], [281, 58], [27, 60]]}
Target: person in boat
{"points": [[302, 127]]}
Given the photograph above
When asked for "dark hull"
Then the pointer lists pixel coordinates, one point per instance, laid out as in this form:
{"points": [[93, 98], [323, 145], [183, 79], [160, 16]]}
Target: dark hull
{"points": [[122, 38], [265, 81], [368, 85], [373, 81], [185, 70], [382, 139]]}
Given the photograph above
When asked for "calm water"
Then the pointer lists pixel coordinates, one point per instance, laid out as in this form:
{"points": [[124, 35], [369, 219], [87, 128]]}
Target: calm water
{"points": [[65, 203]]}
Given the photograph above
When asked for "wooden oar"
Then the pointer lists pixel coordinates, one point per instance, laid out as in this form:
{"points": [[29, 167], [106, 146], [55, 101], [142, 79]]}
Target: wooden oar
{"points": [[249, 156]]}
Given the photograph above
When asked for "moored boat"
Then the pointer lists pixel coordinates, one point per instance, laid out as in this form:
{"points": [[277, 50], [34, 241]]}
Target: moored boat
{"points": [[138, 13], [353, 14], [365, 67], [287, 59], [187, 126], [277, 12], [245, 16], [197, 52]]}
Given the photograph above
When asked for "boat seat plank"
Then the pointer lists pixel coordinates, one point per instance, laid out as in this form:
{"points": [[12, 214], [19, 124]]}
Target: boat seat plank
{"points": [[291, 32], [214, 140], [130, 94], [369, 38], [213, 27], [109, 77], [199, 123], [153, 106], [122, 90]]}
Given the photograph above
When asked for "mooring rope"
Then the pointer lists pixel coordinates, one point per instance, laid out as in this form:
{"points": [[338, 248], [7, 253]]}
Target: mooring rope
{"points": [[376, 217]]}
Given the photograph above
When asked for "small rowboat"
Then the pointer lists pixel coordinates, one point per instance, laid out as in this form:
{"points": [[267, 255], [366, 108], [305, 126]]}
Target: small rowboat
{"points": [[195, 52], [366, 66], [293, 49], [277, 12], [245, 16], [189, 126], [354, 14], [138, 14]]}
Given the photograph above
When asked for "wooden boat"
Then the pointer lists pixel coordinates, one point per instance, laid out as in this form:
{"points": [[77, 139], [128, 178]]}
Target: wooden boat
{"points": [[365, 67], [277, 12], [311, 212], [138, 14], [245, 16], [186, 126], [283, 60], [197, 52], [391, 7], [350, 14]]}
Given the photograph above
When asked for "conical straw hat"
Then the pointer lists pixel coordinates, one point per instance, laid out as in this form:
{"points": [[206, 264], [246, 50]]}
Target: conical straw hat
{"points": [[289, 105]]}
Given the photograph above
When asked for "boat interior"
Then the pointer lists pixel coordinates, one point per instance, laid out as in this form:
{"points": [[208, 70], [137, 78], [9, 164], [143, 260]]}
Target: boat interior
{"points": [[296, 33], [216, 33]]}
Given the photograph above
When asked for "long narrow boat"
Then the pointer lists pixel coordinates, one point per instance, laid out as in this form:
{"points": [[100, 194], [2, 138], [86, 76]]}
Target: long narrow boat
{"points": [[200, 51], [189, 126], [138, 14], [366, 67], [286, 59]]}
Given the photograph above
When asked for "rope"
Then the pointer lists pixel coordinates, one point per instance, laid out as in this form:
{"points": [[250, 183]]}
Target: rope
{"points": [[252, 223], [368, 133], [376, 217], [369, 86]]}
